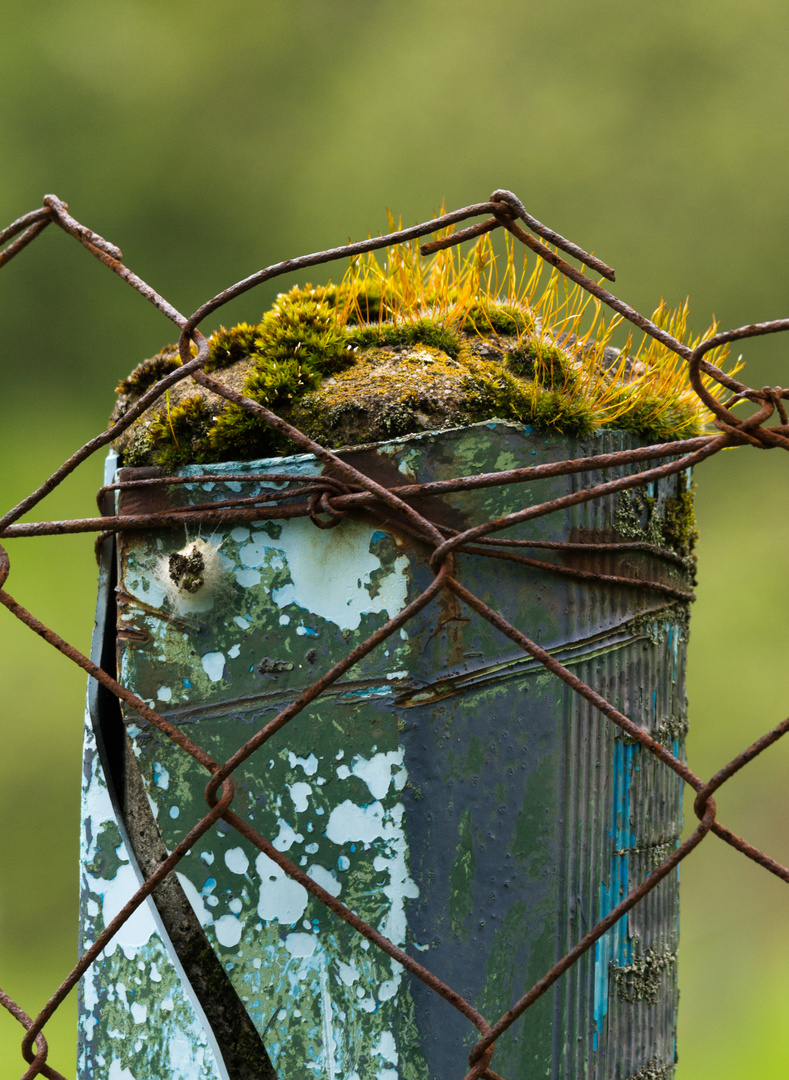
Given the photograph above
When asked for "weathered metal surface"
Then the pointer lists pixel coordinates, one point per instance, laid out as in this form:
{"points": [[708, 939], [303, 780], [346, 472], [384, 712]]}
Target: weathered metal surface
{"points": [[449, 790], [135, 1003]]}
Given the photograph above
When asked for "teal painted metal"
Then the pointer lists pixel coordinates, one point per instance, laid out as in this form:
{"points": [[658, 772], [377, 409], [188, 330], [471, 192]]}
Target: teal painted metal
{"points": [[449, 790]]}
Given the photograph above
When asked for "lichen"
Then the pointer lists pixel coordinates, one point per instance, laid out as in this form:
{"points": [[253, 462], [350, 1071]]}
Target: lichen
{"points": [[641, 980], [653, 1071], [674, 729], [673, 525], [679, 526], [417, 345]]}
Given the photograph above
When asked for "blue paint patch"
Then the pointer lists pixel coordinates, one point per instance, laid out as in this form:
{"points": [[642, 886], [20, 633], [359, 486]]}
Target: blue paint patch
{"points": [[188, 684], [368, 692], [614, 945], [673, 642], [378, 535]]}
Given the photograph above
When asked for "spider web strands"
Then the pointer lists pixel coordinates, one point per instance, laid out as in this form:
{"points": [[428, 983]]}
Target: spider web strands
{"points": [[349, 489]]}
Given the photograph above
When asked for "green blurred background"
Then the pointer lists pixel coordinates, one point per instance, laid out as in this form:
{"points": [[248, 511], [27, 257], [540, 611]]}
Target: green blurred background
{"points": [[208, 140]]}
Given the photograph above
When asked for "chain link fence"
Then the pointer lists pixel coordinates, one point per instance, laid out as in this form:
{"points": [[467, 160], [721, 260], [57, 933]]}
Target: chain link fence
{"points": [[326, 501]]}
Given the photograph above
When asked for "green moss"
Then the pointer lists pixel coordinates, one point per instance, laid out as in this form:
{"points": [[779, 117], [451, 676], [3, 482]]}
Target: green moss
{"points": [[178, 434], [546, 363], [146, 374], [228, 346], [488, 316], [403, 348], [659, 419], [424, 331]]}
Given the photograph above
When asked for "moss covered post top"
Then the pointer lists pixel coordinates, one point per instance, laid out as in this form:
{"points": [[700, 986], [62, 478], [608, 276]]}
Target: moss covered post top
{"points": [[415, 345]]}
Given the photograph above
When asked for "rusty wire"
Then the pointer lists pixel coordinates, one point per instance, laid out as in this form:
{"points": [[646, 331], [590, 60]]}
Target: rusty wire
{"points": [[326, 500]]}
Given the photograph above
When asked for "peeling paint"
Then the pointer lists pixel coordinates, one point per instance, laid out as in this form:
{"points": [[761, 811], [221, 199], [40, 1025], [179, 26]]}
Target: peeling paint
{"points": [[425, 789], [135, 1010]]}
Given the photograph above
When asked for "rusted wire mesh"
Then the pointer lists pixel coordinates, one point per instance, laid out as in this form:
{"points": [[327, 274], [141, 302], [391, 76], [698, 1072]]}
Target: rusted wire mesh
{"points": [[327, 499]]}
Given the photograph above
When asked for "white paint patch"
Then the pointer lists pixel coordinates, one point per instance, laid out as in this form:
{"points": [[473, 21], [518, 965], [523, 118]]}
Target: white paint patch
{"points": [[214, 665], [261, 551], [143, 583], [161, 776], [241, 622], [309, 764], [228, 930], [116, 893], [329, 580], [286, 837], [300, 944], [233, 651], [236, 860], [139, 1012], [389, 988], [196, 900], [377, 772], [118, 1073], [300, 793], [325, 878], [401, 885], [329, 1045], [187, 1056], [164, 693], [248, 579], [386, 1047], [348, 823], [281, 898], [348, 973]]}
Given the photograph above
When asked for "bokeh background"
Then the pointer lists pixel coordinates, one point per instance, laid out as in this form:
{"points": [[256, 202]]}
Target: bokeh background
{"points": [[208, 140]]}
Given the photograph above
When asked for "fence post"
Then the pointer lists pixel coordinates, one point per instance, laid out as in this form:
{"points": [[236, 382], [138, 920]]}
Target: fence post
{"points": [[447, 789]]}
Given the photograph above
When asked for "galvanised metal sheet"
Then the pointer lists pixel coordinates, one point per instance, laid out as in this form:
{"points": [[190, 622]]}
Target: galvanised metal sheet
{"points": [[449, 790]]}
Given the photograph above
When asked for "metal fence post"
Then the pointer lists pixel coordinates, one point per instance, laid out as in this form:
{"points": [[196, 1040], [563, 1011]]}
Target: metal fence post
{"points": [[448, 790]]}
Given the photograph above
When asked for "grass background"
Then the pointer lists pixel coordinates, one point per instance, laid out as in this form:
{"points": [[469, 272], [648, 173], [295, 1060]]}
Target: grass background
{"points": [[208, 140]]}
